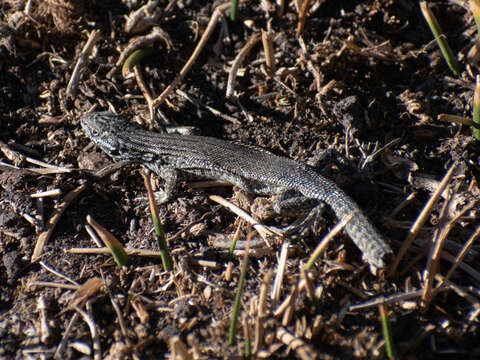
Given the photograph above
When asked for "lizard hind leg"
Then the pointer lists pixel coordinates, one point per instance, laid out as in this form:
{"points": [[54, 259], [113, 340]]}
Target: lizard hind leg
{"points": [[306, 210]]}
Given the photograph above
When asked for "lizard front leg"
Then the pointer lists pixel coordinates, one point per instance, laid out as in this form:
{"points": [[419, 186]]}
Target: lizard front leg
{"points": [[170, 178]]}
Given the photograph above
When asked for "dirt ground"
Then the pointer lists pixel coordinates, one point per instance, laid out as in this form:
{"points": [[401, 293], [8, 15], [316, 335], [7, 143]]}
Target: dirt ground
{"points": [[363, 78]]}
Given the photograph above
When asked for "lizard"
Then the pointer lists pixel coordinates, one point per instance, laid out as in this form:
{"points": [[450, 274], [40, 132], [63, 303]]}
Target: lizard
{"points": [[253, 169]]}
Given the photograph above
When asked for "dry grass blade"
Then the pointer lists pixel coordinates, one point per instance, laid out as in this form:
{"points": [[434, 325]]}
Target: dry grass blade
{"points": [[35, 171], [236, 236], [49, 193], [280, 7], [267, 41], [18, 159], [475, 274], [53, 220], [322, 245], [53, 285], [262, 312], [140, 310], [86, 291], [57, 273], [439, 237], [143, 87], [392, 299], [436, 254], [407, 201], [366, 51], [460, 290], [455, 119], [93, 236], [57, 169], [106, 250], [463, 252], [290, 309], [422, 217], [303, 16], [308, 284], [217, 13], [262, 229], [302, 349], [277, 284]]}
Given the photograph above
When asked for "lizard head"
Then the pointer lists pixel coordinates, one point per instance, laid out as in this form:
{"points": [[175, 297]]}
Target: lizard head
{"points": [[103, 129]]}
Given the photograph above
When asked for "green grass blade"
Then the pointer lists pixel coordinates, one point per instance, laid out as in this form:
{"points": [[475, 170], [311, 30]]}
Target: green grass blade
{"points": [[135, 57], [162, 244], [115, 247], [234, 10], [238, 296], [476, 110], [440, 38], [387, 332]]}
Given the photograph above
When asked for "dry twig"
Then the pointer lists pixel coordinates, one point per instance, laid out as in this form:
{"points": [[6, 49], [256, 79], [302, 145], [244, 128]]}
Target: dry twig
{"points": [[232, 75], [144, 88], [209, 108], [141, 19], [61, 346], [97, 351], [81, 62]]}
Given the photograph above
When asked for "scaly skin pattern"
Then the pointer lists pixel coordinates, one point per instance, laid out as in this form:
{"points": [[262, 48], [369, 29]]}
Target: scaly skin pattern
{"points": [[252, 169]]}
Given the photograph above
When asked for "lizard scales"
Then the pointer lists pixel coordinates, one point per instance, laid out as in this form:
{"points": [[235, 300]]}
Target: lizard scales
{"points": [[252, 169]]}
